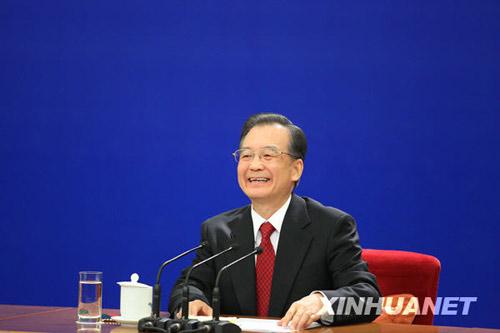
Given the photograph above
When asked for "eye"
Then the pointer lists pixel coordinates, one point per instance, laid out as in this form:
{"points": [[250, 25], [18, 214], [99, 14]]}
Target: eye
{"points": [[267, 156], [245, 156]]}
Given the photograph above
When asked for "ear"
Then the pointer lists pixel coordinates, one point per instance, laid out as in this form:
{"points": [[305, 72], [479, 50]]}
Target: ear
{"points": [[297, 169]]}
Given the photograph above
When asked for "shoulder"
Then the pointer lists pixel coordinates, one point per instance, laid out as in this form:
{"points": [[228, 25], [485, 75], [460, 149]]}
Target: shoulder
{"points": [[225, 217], [317, 209], [327, 217], [220, 229], [331, 224]]}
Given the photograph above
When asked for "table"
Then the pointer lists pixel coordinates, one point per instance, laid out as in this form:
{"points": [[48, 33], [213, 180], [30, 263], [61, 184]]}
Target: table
{"points": [[22, 318]]}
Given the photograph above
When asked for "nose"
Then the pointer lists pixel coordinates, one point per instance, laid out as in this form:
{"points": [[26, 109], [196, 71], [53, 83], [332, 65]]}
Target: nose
{"points": [[256, 163]]}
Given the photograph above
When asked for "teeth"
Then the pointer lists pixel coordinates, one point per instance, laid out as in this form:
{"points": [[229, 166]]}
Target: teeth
{"points": [[258, 179]]}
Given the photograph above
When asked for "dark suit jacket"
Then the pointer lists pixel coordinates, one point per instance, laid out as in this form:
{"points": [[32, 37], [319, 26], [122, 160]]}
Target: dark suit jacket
{"points": [[318, 249]]}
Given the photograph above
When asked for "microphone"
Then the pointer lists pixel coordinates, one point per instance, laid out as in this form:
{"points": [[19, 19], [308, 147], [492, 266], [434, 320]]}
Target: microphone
{"points": [[216, 293], [185, 290], [150, 323], [217, 326]]}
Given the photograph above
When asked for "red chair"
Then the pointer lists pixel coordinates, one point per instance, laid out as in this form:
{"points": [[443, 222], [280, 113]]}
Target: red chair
{"points": [[401, 272]]}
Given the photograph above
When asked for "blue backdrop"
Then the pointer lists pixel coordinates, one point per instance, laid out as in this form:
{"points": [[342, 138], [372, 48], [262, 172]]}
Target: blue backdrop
{"points": [[118, 119]]}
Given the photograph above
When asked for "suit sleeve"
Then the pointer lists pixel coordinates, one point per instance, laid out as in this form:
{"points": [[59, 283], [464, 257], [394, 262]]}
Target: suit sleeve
{"points": [[201, 281], [350, 275]]}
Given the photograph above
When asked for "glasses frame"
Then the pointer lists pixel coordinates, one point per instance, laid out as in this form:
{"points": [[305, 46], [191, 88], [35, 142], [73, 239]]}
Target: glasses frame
{"points": [[235, 153]]}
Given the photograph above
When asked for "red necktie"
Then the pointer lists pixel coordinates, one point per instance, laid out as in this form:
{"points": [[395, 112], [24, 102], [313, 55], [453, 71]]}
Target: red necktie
{"points": [[264, 269]]}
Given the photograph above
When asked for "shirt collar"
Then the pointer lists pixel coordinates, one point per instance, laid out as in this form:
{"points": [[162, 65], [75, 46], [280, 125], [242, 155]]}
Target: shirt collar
{"points": [[276, 219]]}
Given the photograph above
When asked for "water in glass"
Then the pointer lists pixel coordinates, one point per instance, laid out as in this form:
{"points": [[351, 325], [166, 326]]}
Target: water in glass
{"points": [[90, 302]]}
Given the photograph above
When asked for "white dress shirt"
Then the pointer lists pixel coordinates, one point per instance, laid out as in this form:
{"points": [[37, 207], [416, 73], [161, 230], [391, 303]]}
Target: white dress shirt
{"points": [[276, 220]]}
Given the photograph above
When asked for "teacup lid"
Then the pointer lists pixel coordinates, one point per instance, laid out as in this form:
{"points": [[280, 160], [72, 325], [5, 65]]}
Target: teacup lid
{"points": [[133, 282]]}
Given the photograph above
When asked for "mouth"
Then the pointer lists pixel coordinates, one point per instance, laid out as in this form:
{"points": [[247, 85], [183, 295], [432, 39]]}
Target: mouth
{"points": [[258, 179]]}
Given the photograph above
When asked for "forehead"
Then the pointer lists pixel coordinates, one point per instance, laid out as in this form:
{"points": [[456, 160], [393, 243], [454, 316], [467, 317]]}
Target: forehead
{"points": [[267, 135]]}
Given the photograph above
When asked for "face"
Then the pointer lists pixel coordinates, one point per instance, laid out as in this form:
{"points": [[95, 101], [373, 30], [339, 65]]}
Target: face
{"points": [[268, 182]]}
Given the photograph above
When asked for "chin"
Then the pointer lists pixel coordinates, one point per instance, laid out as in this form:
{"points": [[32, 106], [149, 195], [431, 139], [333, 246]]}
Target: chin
{"points": [[256, 194]]}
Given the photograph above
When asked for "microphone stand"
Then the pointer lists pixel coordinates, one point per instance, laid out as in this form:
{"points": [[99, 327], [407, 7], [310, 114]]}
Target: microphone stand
{"points": [[154, 323], [185, 294], [222, 326]]}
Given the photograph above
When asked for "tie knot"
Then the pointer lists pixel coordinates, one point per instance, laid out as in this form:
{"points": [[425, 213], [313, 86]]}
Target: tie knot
{"points": [[266, 229]]}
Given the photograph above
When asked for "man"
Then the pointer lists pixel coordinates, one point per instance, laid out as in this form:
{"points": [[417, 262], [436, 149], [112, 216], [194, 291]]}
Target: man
{"points": [[311, 252]]}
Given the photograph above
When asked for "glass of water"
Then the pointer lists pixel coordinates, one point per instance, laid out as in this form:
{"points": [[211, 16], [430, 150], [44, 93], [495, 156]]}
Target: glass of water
{"points": [[90, 298]]}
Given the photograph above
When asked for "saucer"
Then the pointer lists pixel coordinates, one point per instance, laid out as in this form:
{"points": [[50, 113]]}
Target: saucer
{"points": [[125, 321]]}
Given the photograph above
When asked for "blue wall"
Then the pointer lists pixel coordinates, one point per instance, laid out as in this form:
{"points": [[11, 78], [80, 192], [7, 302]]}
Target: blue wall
{"points": [[117, 120]]}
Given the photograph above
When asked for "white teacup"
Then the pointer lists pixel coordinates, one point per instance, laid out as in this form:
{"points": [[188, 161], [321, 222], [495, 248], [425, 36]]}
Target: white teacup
{"points": [[135, 299]]}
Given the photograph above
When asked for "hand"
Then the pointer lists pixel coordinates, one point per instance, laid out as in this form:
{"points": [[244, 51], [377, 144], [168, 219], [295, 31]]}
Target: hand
{"points": [[303, 312], [197, 308], [389, 314]]}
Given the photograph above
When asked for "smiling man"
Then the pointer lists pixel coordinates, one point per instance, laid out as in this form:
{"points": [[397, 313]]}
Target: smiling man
{"points": [[311, 257]]}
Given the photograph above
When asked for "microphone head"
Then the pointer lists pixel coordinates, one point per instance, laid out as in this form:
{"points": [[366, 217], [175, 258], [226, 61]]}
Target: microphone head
{"points": [[258, 250]]}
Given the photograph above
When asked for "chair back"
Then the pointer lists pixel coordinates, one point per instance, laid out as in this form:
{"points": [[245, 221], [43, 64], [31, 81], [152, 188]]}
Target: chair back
{"points": [[402, 272]]}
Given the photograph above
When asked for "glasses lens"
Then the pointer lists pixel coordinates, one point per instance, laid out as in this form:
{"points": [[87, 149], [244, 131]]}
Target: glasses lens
{"points": [[269, 153], [265, 154], [245, 155]]}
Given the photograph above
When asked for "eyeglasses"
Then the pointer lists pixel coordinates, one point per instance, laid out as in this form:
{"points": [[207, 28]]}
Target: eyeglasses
{"points": [[265, 154]]}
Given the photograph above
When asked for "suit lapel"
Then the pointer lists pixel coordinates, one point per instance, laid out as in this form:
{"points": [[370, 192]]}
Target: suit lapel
{"points": [[292, 247], [243, 273]]}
